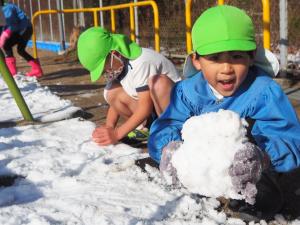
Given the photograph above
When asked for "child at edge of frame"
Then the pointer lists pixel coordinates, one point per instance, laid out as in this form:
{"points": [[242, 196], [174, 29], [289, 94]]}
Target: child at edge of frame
{"points": [[227, 71], [16, 30], [138, 83]]}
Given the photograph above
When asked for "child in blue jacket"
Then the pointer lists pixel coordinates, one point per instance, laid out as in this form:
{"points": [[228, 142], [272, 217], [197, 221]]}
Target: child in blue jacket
{"points": [[224, 49], [16, 30]]}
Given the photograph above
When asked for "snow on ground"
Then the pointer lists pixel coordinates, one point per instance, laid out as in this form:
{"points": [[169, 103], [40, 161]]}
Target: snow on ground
{"points": [[70, 180], [41, 102]]}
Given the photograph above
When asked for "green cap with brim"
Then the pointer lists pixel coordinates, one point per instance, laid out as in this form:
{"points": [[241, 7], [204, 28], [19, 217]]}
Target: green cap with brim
{"points": [[95, 44], [227, 28], [264, 59], [223, 28]]}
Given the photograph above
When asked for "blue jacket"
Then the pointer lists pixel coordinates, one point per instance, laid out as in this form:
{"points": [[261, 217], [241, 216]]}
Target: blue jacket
{"points": [[16, 20], [276, 128]]}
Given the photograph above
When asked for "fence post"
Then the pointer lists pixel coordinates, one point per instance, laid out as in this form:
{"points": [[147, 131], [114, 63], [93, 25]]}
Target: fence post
{"points": [[113, 20], [96, 23], [136, 22], [40, 22], [188, 26], [50, 21], [75, 23], [81, 15], [101, 13], [61, 26], [283, 41], [132, 24], [266, 24]]}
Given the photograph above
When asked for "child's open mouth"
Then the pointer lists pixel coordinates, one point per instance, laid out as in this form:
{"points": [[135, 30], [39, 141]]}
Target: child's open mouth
{"points": [[227, 85]]}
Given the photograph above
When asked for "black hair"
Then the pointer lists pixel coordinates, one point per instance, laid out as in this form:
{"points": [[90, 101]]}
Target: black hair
{"points": [[1, 2], [250, 53], [197, 55]]}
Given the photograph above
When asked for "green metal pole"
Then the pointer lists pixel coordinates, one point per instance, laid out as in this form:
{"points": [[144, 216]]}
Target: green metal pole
{"points": [[15, 91]]}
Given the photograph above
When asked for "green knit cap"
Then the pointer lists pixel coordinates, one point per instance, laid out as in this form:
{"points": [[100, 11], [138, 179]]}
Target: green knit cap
{"points": [[95, 44], [223, 28]]}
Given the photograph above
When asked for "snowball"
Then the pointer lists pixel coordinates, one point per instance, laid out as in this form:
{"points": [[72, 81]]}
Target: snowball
{"points": [[209, 144]]}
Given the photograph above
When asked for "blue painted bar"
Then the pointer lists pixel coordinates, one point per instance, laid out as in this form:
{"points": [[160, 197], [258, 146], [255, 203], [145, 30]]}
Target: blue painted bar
{"points": [[47, 45]]}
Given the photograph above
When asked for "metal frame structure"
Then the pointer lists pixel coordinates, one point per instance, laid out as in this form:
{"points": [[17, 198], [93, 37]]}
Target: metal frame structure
{"points": [[112, 9], [283, 43]]}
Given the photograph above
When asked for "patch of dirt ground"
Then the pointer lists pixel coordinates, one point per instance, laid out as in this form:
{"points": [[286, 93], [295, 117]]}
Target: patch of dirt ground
{"points": [[67, 78]]}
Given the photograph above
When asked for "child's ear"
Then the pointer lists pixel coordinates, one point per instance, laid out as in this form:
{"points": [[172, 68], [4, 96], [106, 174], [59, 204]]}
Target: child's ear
{"points": [[196, 61]]}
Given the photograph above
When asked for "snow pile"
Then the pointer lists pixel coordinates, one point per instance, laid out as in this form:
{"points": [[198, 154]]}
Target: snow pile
{"points": [[43, 105], [68, 179], [203, 160]]}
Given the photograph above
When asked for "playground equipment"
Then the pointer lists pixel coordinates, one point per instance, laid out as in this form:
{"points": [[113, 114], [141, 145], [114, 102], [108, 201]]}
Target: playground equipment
{"points": [[15, 91], [175, 28], [112, 13]]}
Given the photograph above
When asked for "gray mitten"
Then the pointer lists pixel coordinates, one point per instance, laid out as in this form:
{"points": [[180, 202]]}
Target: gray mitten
{"points": [[166, 168], [246, 170]]}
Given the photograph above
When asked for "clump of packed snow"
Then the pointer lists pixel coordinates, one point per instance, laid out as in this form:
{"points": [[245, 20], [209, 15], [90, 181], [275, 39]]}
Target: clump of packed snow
{"points": [[203, 160]]}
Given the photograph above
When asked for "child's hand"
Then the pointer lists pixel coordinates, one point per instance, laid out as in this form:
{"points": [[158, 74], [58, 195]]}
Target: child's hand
{"points": [[105, 135], [246, 170], [166, 168]]}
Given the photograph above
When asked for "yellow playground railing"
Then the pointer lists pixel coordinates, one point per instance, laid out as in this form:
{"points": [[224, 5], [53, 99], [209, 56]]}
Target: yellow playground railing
{"points": [[113, 23], [266, 24]]}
